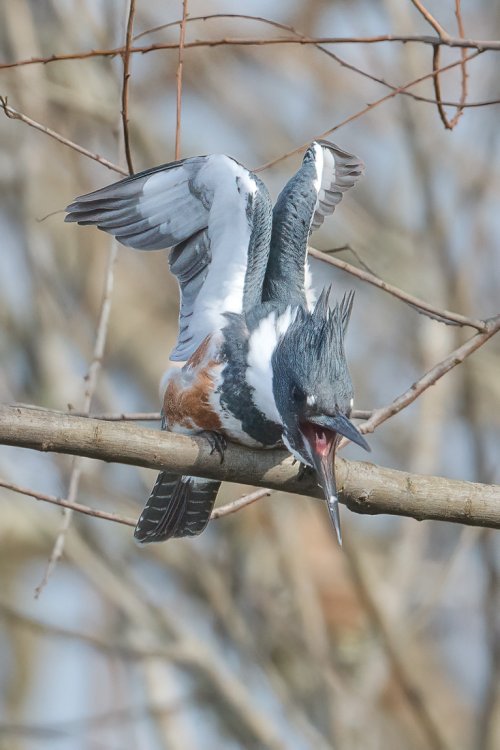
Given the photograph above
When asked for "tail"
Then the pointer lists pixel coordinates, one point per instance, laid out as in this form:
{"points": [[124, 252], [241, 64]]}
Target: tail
{"points": [[178, 506]]}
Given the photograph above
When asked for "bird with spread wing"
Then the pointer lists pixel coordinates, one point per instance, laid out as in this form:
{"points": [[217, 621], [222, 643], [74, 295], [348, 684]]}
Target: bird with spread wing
{"points": [[264, 362]]}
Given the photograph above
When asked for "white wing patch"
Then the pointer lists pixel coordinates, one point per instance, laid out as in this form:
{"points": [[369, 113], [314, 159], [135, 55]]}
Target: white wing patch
{"points": [[336, 172], [229, 233]]}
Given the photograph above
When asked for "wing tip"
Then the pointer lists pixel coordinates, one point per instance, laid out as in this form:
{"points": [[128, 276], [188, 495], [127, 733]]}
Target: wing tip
{"points": [[345, 159]]}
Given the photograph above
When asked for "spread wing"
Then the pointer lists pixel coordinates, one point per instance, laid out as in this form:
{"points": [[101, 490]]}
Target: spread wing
{"points": [[308, 197], [214, 214]]}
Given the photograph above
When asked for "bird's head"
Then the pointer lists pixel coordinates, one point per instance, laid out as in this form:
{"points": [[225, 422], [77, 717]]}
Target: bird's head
{"points": [[313, 391]]}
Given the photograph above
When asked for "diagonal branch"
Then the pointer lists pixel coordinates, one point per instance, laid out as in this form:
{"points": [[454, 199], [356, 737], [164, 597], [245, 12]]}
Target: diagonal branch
{"points": [[13, 114], [443, 35], [368, 108], [68, 504], [432, 376], [445, 316]]}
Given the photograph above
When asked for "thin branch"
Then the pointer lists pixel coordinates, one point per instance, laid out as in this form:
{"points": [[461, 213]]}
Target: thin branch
{"points": [[366, 109], [91, 381], [299, 34], [436, 313], [220, 512], [450, 124], [348, 248], [139, 416], [305, 39], [463, 88], [364, 487], [15, 115], [436, 56], [241, 502], [149, 416], [180, 64], [64, 503], [443, 35], [349, 66], [432, 376], [487, 45], [125, 86]]}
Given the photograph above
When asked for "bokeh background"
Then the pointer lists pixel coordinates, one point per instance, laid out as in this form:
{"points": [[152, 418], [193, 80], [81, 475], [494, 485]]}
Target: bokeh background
{"points": [[261, 633]]}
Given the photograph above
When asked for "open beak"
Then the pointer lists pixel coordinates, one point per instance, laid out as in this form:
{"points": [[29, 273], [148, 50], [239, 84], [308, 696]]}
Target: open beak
{"points": [[322, 435]]}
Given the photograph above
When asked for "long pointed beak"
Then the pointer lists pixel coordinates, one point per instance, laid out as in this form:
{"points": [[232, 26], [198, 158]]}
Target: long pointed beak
{"points": [[322, 444], [322, 436], [324, 466]]}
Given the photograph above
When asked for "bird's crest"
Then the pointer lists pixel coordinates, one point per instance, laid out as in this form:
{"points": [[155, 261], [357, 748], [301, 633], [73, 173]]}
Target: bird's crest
{"points": [[324, 329]]}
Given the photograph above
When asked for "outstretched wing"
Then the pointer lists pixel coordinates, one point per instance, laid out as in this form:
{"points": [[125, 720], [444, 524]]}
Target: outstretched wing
{"points": [[214, 213], [311, 195]]}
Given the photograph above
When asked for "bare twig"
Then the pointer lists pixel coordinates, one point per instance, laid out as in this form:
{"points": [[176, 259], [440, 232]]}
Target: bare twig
{"points": [[180, 64], [304, 39], [444, 316], [220, 512], [125, 86], [91, 380], [436, 56], [286, 27], [463, 89], [443, 35], [450, 124], [140, 416], [349, 66], [241, 502], [149, 416], [480, 45], [366, 109], [456, 357], [15, 115], [364, 488], [64, 503]]}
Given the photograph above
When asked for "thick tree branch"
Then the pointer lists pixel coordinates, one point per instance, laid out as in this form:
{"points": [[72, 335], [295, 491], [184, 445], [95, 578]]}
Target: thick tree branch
{"points": [[364, 487]]}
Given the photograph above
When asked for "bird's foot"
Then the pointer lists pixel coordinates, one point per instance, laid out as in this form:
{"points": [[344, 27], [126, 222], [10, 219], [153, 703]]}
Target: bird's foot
{"points": [[217, 442], [305, 471]]}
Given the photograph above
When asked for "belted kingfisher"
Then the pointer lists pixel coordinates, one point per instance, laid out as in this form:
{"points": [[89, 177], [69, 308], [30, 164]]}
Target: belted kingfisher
{"points": [[264, 362]]}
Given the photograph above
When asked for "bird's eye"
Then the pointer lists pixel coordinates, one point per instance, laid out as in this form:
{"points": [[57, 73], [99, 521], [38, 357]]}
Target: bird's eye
{"points": [[298, 394]]}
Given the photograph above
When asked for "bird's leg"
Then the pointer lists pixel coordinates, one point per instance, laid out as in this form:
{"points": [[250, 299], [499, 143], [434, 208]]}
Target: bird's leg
{"points": [[305, 471], [218, 443]]}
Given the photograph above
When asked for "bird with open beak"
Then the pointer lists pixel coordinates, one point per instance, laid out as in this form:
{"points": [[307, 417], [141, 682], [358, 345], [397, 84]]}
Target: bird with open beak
{"points": [[264, 363]]}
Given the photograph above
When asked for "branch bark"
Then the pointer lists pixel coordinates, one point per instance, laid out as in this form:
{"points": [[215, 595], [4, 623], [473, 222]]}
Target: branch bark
{"points": [[363, 487]]}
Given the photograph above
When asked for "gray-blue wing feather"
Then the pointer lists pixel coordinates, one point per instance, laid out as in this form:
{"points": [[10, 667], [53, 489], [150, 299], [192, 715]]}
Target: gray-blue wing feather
{"points": [[309, 196], [214, 213]]}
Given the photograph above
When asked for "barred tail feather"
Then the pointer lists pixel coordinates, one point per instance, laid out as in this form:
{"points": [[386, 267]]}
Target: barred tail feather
{"points": [[178, 506]]}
